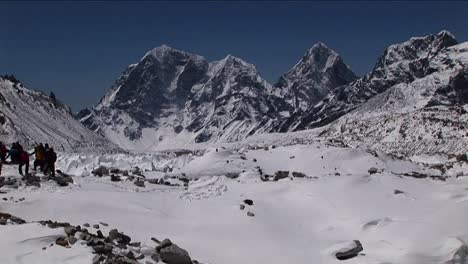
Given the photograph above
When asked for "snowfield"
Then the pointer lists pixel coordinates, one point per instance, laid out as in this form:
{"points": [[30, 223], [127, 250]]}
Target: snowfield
{"points": [[397, 218]]}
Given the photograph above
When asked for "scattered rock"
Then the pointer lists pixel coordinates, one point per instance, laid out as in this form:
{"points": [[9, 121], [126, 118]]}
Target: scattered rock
{"points": [[100, 171], [281, 175], [250, 214], [298, 174], [104, 224], [242, 207], [86, 225], [120, 238], [139, 183], [153, 181], [61, 242], [232, 175], [96, 226], [170, 253], [398, 192], [373, 170], [70, 230], [350, 253], [248, 202], [72, 240], [115, 178], [103, 249]]}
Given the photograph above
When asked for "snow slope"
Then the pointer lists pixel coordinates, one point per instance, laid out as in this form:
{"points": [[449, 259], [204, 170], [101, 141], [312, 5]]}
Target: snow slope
{"points": [[297, 220], [30, 116]]}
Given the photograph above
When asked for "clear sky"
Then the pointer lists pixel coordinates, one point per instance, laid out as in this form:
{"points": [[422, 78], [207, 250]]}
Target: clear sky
{"points": [[77, 49]]}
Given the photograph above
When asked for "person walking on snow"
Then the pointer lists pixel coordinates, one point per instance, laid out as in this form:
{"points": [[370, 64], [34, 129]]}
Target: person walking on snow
{"points": [[39, 157], [50, 158], [3, 152], [23, 161]]}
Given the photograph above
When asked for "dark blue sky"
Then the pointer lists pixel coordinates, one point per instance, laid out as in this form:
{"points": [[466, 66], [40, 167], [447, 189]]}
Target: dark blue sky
{"points": [[77, 49]]}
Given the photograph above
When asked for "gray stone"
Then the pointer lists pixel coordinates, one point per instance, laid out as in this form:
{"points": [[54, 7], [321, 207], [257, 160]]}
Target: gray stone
{"points": [[96, 226], [281, 175], [298, 174], [173, 254], [100, 171], [72, 240], [248, 202], [70, 230], [373, 170], [250, 214], [351, 253], [242, 206], [139, 183], [86, 225]]}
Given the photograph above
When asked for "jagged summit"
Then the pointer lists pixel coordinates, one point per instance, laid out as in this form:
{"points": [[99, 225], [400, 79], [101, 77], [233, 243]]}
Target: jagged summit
{"points": [[318, 72]]}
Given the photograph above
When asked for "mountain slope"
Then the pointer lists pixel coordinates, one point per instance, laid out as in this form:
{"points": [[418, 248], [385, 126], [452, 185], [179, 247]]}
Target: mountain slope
{"points": [[30, 116], [400, 63], [427, 115]]}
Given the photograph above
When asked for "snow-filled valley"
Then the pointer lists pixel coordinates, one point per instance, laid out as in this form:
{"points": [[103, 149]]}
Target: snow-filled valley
{"points": [[401, 211]]}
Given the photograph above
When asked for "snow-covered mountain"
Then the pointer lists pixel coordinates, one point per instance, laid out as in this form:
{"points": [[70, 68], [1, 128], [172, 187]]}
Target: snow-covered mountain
{"points": [[174, 95], [318, 72], [427, 115], [30, 117], [400, 64]]}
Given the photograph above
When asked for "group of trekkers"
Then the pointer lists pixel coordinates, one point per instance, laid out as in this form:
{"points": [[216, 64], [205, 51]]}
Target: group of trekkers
{"points": [[44, 155]]}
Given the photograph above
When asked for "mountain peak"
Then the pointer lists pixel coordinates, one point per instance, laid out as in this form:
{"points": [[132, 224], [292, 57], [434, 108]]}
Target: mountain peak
{"points": [[162, 51], [446, 33]]}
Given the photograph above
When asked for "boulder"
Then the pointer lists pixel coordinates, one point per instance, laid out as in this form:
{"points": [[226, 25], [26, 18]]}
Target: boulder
{"points": [[232, 175], [114, 234], [373, 170], [248, 202], [115, 178], [72, 240], [281, 175], [70, 230], [139, 183], [298, 174], [350, 253], [170, 253], [100, 171], [61, 242], [250, 214]]}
